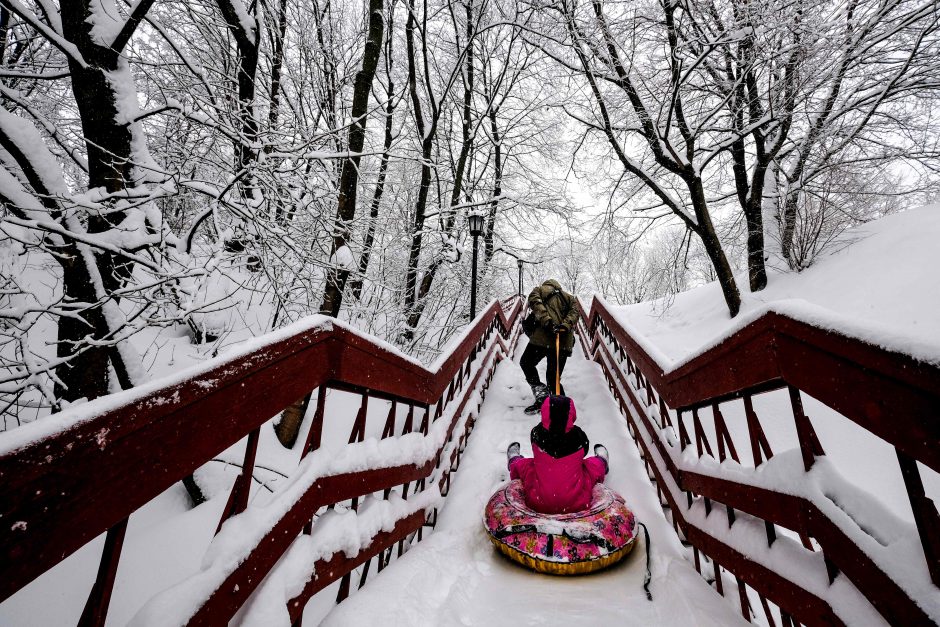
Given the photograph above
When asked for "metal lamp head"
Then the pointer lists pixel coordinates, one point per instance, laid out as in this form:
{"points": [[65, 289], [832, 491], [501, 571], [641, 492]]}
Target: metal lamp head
{"points": [[476, 223]]}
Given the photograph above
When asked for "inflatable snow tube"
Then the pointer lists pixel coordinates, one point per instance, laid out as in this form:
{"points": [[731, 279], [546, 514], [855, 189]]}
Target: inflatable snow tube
{"points": [[561, 544]]}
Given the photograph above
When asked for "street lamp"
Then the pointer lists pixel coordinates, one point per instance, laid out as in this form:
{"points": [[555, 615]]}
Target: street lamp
{"points": [[519, 263], [476, 230]]}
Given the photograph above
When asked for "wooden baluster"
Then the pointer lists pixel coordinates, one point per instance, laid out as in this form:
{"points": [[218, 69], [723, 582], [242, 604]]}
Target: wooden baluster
{"points": [[389, 429], [925, 514], [409, 420], [831, 569], [807, 544], [365, 572], [425, 425], [718, 583], [343, 592], [809, 443], [359, 426], [771, 533], [698, 560], [96, 607], [315, 434], [238, 497], [664, 413], [767, 614], [700, 438], [785, 619], [684, 439], [723, 436], [745, 604], [756, 432]]}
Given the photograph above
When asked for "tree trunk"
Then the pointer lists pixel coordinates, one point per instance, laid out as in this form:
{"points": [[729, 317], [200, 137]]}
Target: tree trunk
{"points": [[358, 281], [247, 43], [415, 295], [349, 177], [427, 144], [490, 233], [108, 141], [706, 231]]}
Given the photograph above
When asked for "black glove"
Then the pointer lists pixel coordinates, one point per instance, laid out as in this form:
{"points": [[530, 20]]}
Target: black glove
{"points": [[561, 328], [549, 324]]}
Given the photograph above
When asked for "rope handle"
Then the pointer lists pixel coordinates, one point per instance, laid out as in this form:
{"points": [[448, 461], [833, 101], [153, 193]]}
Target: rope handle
{"points": [[649, 574]]}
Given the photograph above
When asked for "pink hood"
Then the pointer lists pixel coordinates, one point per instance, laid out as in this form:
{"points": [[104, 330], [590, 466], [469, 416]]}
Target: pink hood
{"points": [[558, 410]]}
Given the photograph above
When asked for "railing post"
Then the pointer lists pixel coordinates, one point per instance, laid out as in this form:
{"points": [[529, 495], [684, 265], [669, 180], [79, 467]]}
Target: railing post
{"points": [[96, 608], [238, 497], [316, 425], [925, 514], [359, 427], [756, 432], [809, 442], [389, 429]]}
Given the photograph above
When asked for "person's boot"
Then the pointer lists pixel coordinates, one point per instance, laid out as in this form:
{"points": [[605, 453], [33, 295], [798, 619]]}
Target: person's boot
{"points": [[540, 391], [513, 451], [601, 451]]}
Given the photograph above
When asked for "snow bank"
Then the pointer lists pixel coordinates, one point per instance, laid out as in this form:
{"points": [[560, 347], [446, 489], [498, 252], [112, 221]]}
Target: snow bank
{"points": [[881, 289]]}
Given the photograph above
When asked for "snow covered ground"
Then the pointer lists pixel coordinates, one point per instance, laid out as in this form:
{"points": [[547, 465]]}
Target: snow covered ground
{"points": [[456, 577], [882, 287]]}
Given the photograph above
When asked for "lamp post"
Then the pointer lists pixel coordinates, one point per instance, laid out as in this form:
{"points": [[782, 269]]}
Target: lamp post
{"points": [[519, 263], [476, 230]]}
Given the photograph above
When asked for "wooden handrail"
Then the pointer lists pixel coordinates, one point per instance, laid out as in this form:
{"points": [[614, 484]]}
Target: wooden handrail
{"points": [[890, 394], [836, 369], [72, 476]]}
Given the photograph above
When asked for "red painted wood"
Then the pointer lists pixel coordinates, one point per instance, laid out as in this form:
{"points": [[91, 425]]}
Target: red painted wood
{"points": [[809, 442], [96, 607], [225, 601], [891, 394], [389, 429], [723, 436], [786, 510], [359, 426], [756, 431], [238, 497], [70, 487]]}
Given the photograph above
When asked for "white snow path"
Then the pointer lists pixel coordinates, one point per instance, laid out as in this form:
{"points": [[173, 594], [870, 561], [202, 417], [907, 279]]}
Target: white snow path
{"points": [[456, 577]]}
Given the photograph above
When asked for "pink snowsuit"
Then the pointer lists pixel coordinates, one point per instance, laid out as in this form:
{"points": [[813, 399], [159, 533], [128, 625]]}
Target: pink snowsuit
{"points": [[558, 480]]}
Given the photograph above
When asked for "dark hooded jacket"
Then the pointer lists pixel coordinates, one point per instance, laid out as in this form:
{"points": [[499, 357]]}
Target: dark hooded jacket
{"points": [[552, 306]]}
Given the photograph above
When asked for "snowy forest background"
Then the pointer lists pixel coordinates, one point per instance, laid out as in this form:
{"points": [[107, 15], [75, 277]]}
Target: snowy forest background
{"points": [[181, 175]]}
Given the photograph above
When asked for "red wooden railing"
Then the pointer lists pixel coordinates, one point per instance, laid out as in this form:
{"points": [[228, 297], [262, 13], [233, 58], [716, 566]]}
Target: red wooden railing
{"points": [[891, 395], [82, 473]]}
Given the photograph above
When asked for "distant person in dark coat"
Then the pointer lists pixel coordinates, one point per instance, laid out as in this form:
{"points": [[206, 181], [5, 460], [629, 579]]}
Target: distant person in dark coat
{"points": [[556, 313]]}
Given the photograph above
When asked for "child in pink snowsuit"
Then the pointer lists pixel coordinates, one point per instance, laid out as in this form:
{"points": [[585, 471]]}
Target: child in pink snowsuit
{"points": [[558, 479]]}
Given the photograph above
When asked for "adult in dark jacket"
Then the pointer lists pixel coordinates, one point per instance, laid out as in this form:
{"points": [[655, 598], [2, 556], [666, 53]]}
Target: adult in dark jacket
{"points": [[556, 312]]}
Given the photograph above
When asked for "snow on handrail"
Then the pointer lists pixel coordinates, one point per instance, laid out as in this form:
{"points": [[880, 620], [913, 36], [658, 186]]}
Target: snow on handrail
{"points": [[72, 476], [887, 393]]}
